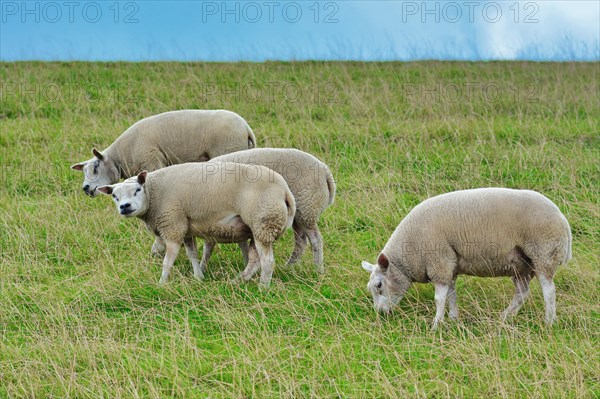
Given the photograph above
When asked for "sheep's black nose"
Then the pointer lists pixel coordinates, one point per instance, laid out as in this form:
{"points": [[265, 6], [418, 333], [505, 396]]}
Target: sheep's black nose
{"points": [[86, 188], [125, 206]]}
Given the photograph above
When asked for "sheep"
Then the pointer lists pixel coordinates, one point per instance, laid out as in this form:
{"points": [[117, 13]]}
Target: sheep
{"points": [[217, 201], [166, 139], [485, 232], [312, 184]]}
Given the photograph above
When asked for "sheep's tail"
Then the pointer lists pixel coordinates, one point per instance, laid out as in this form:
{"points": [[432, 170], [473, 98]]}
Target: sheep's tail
{"points": [[251, 138], [290, 204], [569, 254], [330, 186]]}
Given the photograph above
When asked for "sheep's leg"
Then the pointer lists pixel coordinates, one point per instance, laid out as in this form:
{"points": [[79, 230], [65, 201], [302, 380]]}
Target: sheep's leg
{"points": [[453, 314], [300, 244], [159, 247], [252, 266], [244, 248], [170, 256], [521, 293], [549, 292], [267, 263], [191, 251], [207, 251], [441, 290], [316, 242]]}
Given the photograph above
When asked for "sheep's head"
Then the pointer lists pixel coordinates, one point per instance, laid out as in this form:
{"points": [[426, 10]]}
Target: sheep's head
{"points": [[130, 196], [98, 171], [387, 284]]}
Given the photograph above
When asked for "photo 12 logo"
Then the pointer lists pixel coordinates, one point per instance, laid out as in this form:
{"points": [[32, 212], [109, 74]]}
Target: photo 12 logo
{"points": [[69, 92], [53, 12], [272, 92], [270, 11], [469, 11]]}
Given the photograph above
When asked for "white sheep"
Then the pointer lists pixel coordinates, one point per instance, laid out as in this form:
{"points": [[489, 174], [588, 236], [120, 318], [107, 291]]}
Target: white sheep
{"points": [[312, 184], [217, 201], [166, 139], [486, 232]]}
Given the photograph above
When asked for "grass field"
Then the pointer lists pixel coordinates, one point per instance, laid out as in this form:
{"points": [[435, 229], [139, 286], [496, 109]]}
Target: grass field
{"points": [[82, 315]]}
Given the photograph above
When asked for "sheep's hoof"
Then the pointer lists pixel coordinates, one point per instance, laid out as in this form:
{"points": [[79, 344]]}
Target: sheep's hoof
{"points": [[550, 322], [163, 280], [199, 276], [436, 324], [237, 280], [505, 316], [320, 269]]}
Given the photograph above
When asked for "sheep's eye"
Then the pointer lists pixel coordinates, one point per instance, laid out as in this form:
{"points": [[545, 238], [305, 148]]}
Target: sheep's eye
{"points": [[137, 191], [378, 286], [114, 196]]}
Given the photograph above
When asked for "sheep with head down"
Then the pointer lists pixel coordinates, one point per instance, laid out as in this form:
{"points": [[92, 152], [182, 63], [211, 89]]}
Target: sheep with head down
{"points": [[486, 232]]}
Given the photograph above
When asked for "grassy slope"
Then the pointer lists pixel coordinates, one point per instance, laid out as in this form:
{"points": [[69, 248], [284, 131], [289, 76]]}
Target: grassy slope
{"points": [[82, 316]]}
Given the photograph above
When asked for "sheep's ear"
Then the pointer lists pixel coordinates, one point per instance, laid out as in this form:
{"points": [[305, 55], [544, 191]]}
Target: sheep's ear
{"points": [[78, 166], [108, 190], [142, 178], [367, 266], [97, 154], [383, 262]]}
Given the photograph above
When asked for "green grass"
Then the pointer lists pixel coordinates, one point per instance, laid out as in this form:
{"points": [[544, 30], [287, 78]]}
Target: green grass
{"points": [[82, 315]]}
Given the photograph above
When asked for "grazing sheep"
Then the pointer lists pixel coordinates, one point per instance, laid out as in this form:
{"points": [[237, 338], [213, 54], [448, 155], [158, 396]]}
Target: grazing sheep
{"points": [[166, 139], [485, 232], [312, 184], [217, 201]]}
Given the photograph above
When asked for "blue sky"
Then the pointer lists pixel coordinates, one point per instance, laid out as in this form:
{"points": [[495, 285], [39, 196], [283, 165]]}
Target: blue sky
{"points": [[299, 30]]}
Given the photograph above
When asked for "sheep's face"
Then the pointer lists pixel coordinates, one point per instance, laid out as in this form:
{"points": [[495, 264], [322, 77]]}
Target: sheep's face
{"points": [[130, 196], [98, 171], [387, 285]]}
